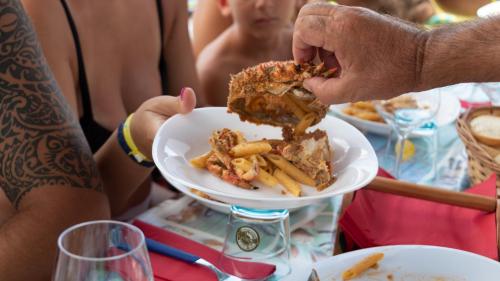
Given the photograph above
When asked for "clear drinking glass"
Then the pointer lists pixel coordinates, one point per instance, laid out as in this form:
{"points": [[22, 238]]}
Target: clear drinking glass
{"points": [[258, 236], [406, 113], [102, 251], [492, 90]]}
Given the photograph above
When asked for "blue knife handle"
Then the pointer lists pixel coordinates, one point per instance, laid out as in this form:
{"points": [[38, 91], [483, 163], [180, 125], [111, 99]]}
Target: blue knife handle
{"points": [[160, 248]]}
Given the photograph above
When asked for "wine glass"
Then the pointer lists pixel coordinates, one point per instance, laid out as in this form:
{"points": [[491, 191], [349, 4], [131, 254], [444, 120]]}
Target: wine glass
{"points": [[102, 251], [406, 113], [492, 90]]}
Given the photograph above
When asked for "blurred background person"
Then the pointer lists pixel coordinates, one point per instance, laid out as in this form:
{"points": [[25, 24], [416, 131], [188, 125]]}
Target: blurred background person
{"points": [[261, 32], [210, 19]]}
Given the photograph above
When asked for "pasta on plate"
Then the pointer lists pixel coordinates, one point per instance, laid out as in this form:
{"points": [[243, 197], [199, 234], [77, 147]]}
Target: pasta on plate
{"points": [[272, 93]]}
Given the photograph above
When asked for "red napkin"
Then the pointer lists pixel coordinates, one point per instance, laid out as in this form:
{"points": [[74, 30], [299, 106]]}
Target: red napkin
{"points": [[166, 268], [378, 219], [466, 104]]}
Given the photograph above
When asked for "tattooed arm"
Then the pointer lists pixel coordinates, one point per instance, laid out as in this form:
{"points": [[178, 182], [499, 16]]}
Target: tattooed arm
{"points": [[47, 172]]}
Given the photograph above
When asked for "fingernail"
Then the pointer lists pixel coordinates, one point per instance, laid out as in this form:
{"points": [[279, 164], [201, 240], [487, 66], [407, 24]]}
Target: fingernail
{"points": [[181, 95]]}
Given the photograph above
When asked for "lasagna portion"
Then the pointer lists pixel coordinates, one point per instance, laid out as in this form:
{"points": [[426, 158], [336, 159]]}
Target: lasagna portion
{"points": [[311, 153], [272, 93]]}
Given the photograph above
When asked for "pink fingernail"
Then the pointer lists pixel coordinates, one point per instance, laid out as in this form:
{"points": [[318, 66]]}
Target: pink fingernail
{"points": [[181, 95]]}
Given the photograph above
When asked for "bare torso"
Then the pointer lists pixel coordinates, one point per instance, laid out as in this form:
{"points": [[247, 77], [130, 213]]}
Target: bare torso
{"points": [[226, 56], [121, 46], [121, 60]]}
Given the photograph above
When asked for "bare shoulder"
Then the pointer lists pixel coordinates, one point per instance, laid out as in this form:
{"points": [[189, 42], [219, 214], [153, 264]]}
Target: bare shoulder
{"points": [[42, 144], [38, 10], [215, 65], [217, 54], [51, 27]]}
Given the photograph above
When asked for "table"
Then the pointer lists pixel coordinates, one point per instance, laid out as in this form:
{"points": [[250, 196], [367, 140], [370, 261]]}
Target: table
{"points": [[314, 227]]}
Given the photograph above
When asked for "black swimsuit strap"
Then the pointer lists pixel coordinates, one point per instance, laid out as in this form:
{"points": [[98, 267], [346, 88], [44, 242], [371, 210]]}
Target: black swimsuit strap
{"points": [[82, 76], [162, 65]]}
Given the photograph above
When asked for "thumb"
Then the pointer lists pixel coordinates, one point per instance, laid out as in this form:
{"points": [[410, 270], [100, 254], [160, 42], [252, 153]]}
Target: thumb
{"points": [[187, 100], [328, 91]]}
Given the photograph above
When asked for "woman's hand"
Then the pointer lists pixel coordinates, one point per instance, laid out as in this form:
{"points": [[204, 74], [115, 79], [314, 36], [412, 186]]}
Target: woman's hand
{"points": [[152, 113]]}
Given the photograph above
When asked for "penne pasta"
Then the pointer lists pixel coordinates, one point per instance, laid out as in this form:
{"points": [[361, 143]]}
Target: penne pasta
{"points": [[302, 104], [304, 123], [292, 186], [241, 163], [365, 105], [260, 160], [240, 137], [261, 176], [201, 161], [362, 266], [290, 169], [297, 111], [250, 148]]}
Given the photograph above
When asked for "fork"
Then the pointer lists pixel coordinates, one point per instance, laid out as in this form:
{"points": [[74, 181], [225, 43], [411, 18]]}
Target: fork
{"points": [[160, 248]]}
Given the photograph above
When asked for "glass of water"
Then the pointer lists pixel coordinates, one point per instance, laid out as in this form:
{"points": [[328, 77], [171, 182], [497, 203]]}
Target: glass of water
{"points": [[102, 251], [406, 113], [261, 236]]}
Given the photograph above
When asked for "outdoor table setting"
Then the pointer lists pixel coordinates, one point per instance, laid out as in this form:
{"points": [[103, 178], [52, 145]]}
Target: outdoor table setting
{"points": [[314, 225], [401, 205], [280, 186], [365, 223], [254, 140]]}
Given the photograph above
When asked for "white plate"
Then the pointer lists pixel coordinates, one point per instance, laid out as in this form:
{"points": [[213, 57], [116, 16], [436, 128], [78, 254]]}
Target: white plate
{"points": [[183, 137], [447, 114], [489, 10], [414, 263], [212, 204]]}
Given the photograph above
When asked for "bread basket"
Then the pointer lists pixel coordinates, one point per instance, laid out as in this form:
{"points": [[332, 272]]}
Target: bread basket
{"points": [[481, 157]]}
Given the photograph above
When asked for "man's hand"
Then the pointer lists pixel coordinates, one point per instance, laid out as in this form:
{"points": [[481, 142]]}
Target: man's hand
{"points": [[377, 56], [152, 114]]}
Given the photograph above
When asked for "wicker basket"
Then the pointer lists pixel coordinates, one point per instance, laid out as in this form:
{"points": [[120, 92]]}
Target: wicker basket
{"points": [[481, 161]]}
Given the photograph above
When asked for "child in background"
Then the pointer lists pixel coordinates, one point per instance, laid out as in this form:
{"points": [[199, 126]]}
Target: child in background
{"points": [[261, 31]]}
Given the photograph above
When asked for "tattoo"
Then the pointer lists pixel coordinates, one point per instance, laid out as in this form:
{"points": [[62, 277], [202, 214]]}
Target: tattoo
{"points": [[41, 143]]}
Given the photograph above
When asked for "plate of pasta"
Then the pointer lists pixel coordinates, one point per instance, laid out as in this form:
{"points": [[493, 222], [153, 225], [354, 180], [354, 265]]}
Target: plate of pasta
{"points": [[408, 263], [364, 116], [189, 149]]}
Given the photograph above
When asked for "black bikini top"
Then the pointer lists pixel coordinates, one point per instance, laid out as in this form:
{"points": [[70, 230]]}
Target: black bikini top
{"points": [[95, 134]]}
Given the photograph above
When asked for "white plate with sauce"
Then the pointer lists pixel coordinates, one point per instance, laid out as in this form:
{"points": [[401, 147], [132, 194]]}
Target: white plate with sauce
{"points": [[413, 263], [183, 137]]}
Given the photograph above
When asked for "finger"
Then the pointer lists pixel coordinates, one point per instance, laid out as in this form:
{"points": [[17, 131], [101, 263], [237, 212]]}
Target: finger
{"points": [[187, 101], [310, 30], [328, 91], [330, 60], [168, 105]]}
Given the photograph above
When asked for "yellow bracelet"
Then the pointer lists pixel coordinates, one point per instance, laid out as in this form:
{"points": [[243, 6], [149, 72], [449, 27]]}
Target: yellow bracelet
{"points": [[134, 150]]}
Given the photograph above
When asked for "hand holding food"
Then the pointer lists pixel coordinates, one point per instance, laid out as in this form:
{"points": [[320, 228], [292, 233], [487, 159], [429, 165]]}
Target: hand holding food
{"points": [[365, 46], [152, 114]]}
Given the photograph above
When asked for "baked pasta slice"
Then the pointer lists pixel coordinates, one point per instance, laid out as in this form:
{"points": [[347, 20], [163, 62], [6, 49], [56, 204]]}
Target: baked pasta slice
{"points": [[272, 93]]}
